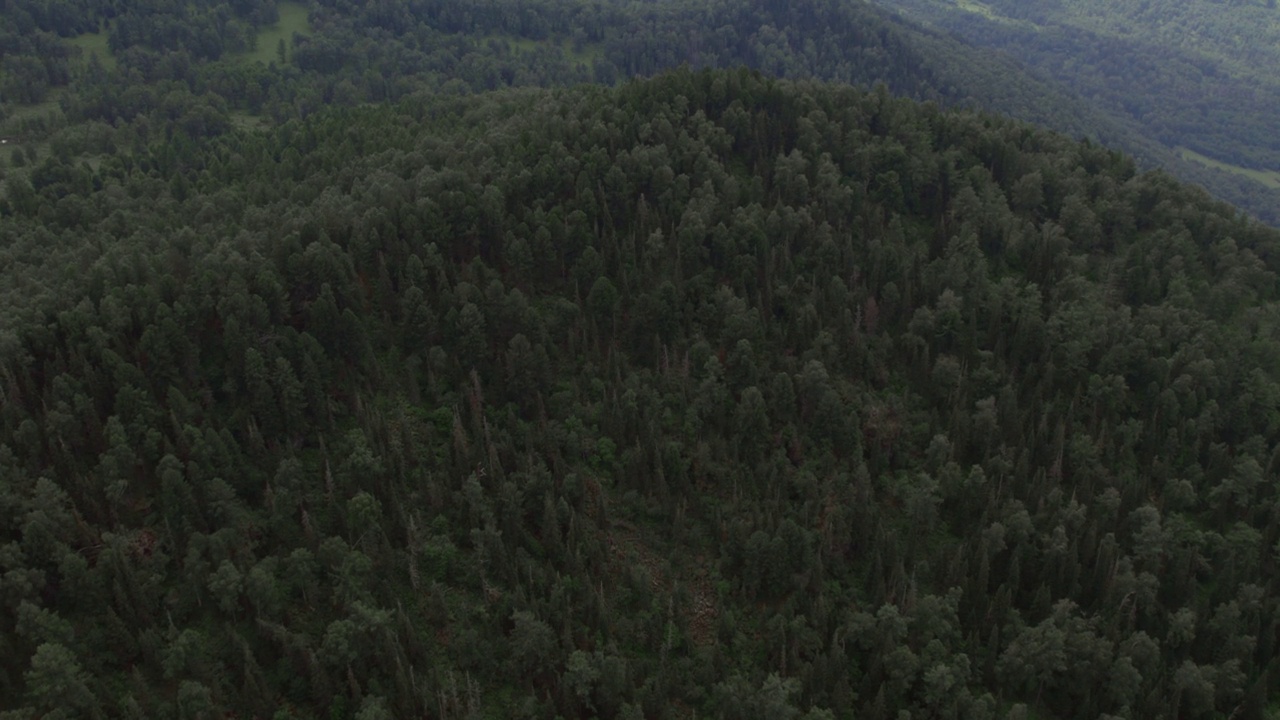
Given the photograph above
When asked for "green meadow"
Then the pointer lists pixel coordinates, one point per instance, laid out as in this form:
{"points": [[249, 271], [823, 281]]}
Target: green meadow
{"points": [[980, 9], [246, 121], [519, 44], [1270, 178], [94, 43], [293, 18], [11, 128]]}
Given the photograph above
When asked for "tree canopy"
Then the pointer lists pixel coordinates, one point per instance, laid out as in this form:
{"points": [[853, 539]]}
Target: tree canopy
{"points": [[710, 394]]}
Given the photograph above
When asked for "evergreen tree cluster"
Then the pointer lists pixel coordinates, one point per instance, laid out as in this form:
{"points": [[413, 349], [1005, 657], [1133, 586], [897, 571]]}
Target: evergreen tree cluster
{"points": [[708, 395]]}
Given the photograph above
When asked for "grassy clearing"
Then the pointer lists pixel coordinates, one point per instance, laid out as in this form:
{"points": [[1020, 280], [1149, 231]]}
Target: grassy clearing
{"points": [[986, 11], [18, 113], [94, 43], [978, 8], [293, 18], [245, 121], [7, 151], [519, 44], [11, 130], [1270, 178]]}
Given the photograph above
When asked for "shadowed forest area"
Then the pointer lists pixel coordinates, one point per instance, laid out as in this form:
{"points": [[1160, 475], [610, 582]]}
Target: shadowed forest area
{"points": [[702, 395], [706, 395]]}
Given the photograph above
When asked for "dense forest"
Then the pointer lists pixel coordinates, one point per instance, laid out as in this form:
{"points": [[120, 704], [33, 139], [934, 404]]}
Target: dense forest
{"points": [[81, 77], [710, 395]]}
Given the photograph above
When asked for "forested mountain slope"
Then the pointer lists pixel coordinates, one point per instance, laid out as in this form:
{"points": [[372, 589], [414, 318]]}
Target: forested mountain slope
{"points": [[705, 396], [1197, 76], [117, 75]]}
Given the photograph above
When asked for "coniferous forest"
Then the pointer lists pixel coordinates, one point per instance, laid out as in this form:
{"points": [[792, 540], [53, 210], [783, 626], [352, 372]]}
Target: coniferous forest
{"points": [[710, 395]]}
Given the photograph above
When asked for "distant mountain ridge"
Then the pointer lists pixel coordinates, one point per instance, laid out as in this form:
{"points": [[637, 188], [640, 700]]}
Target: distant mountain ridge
{"points": [[350, 53], [1200, 80]]}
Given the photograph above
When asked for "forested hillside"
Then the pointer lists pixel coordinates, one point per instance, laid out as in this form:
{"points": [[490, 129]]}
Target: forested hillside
{"points": [[705, 396], [1196, 76], [80, 78]]}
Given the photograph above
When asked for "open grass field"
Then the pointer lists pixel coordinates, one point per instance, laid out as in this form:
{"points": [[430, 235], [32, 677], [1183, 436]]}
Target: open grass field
{"points": [[12, 129], [18, 113], [245, 121], [588, 53], [293, 18], [1270, 178], [8, 150], [94, 43], [982, 9]]}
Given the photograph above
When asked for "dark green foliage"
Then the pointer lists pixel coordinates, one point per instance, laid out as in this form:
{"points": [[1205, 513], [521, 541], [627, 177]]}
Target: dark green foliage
{"points": [[185, 68], [710, 393]]}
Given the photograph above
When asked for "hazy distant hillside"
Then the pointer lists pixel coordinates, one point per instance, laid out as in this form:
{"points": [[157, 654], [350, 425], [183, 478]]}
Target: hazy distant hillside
{"points": [[1200, 78], [1242, 34]]}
